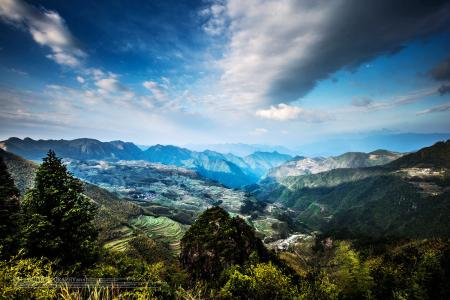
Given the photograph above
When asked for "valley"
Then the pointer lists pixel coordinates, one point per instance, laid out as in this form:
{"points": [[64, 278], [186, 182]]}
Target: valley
{"points": [[146, 209], [298, 198], [151, 199], [160, 189], [347, 193]]}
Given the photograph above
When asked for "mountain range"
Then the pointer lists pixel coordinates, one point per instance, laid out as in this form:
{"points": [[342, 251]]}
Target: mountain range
{"points": [[399, 142], [408, 197], [301, 165], [239, 149], [228, 169]]}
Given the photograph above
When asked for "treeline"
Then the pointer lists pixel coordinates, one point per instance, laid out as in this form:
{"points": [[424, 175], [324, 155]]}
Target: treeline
{"points": [[52, 233]]}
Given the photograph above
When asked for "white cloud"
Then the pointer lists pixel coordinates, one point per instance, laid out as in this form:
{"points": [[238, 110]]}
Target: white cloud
{"points": [[46, 27], [284, 112], [411, 97], [17, 71], [80, 79], [112, 85], [155, 88], [109, 84], [259, 131], [216, 19], [439, 108], [97, 74], [64, 59]]}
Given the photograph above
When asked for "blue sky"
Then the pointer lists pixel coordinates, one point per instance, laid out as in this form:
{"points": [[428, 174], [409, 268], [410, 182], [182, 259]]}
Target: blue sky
{"points": [[184, 72]]}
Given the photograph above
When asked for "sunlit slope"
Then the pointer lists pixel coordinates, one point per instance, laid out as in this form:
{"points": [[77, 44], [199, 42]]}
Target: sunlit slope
{"points": [[161, 229]]}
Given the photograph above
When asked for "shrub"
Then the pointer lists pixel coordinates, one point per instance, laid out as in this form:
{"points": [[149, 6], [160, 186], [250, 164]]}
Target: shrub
{"points": [[259, 281]]}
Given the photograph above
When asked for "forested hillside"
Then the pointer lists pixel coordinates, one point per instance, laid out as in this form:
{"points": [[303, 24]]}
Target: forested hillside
{"points": [[408, 197]]}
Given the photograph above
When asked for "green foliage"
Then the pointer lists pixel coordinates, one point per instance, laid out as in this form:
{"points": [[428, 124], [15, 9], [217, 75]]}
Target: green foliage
{"points": [[403, 270], [215, 242], [9, 213], [58, 216], [164, 277], [258, 281], [413, 270], [350, 273], [321, 286], [19, 279], [32, 278]]}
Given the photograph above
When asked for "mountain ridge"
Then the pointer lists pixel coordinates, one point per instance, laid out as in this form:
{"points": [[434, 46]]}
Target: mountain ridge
{"points": [[230, 170], [301, 165], [407, 198]]}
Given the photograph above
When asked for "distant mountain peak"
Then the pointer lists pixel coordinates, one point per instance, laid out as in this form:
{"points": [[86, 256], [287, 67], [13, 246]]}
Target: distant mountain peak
{"points": [[301, 165]]}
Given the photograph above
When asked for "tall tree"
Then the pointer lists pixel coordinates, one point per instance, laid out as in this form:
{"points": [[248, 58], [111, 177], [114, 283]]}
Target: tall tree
{"points": [[59, 217], [216, 241], [9, 212]]}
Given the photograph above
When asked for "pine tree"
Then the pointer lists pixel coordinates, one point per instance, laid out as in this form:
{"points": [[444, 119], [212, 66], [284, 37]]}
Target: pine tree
{"points": [[59, 217], [9, 212]]}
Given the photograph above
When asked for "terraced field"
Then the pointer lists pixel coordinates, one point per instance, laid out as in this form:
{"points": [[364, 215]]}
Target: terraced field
{"points": [[152, 184], [120, 243], [161, 229], [169, 199], [271, 228]]}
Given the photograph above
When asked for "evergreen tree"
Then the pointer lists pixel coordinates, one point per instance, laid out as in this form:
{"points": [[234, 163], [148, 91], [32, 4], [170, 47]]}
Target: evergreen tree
{"points": [[216, 241], [9, 212], [59, 216]]}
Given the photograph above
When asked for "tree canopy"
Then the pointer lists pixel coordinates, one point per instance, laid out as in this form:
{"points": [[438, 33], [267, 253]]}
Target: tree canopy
{"points": [[9, 209], [59, 217], [216, 241]]}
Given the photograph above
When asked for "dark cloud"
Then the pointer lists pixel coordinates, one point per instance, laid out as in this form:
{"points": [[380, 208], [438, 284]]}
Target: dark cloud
{"points": [[356, 32], [441, 72], [444, 89]]}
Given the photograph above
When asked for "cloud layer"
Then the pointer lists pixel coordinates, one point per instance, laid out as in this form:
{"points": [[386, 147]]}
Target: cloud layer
{"points": [[279, 50]]}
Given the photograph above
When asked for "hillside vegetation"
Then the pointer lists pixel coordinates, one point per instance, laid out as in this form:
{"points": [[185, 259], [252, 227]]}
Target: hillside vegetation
{"points": [[408, 197]]}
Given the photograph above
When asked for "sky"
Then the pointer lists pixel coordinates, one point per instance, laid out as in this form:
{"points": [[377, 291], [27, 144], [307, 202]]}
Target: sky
{"points": [[278, 72]]}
